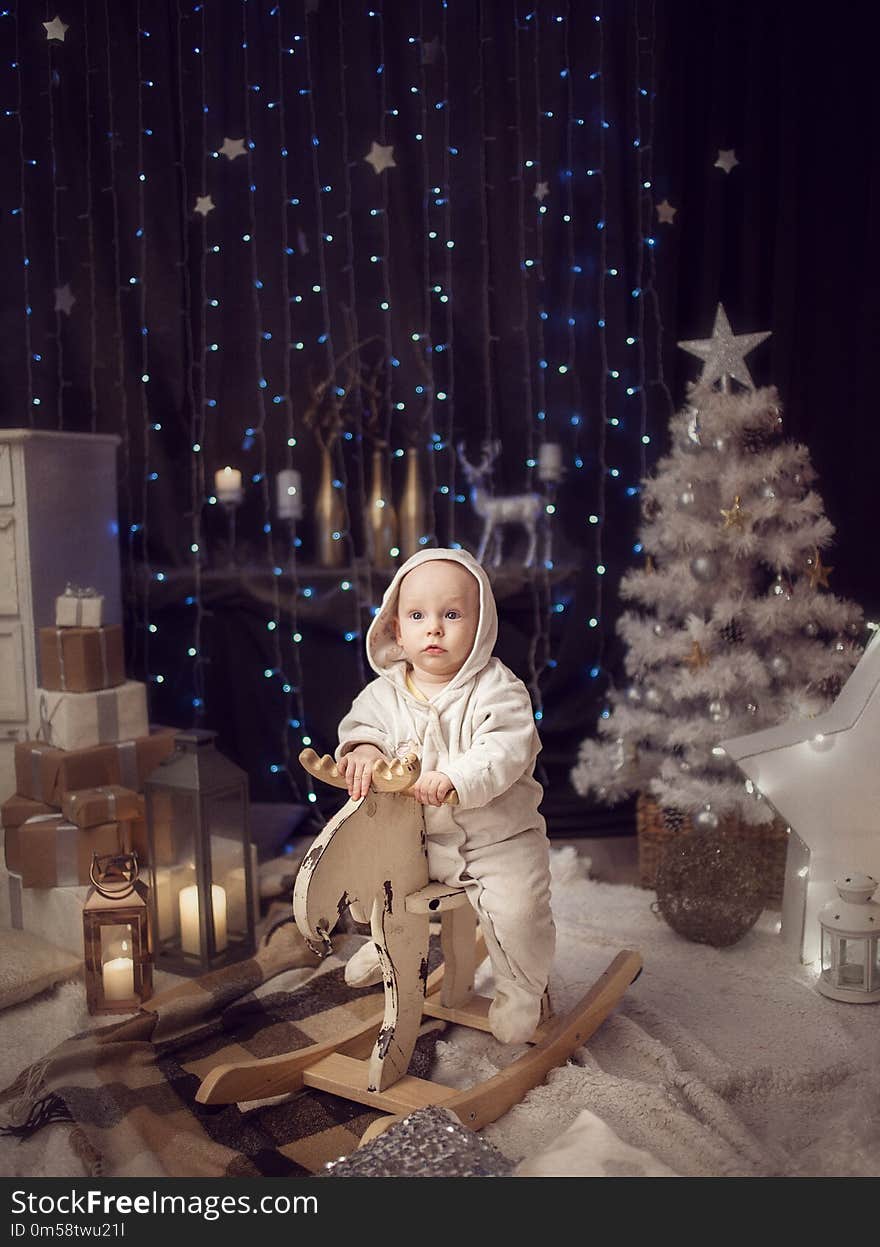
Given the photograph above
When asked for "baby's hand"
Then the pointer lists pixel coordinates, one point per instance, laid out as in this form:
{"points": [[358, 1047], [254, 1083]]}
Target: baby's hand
{"points": [[431, 787], [357, 769]]}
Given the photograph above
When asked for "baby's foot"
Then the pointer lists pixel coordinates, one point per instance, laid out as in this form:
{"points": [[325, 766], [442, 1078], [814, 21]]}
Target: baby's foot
{"points": [[514, 1016], [363, 969]]}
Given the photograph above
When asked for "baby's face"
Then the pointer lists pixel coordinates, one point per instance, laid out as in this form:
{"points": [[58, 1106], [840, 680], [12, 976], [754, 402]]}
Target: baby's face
{"points": [[437, 614]]}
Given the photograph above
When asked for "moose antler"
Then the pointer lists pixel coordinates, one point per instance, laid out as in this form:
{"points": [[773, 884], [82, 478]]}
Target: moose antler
{"points": [[396, 776]]}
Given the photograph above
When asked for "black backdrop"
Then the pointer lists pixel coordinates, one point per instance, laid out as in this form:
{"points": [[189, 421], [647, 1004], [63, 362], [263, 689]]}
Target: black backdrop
{"points": [[107, 141]]}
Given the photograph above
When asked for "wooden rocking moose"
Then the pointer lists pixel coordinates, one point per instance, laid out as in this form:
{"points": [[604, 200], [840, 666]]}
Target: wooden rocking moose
{"points": [[371, 858]]}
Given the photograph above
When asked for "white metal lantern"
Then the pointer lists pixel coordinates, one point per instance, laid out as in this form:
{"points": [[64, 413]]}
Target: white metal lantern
{"points": [[851, 942]]}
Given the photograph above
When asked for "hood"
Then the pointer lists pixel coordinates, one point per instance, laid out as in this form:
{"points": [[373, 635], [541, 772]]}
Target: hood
{"points": [[387, 658]]}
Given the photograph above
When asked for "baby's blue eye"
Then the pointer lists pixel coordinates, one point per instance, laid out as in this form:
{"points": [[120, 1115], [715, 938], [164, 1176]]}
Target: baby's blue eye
{"points": [[415, 615], [453, 615]]}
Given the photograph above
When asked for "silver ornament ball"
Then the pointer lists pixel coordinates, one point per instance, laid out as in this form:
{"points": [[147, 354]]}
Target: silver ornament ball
{"points": [[811, 629], [658, 630], [706, 819], [687, 498], [633, 695], [780, 666], [719, 711], [653, 698], [705, 568]]}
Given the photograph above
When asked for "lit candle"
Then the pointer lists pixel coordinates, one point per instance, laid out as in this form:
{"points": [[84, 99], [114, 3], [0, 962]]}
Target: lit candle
{"points": [[288, 487], [189, 919], [227, 484], [118, 976], [549, 461]]}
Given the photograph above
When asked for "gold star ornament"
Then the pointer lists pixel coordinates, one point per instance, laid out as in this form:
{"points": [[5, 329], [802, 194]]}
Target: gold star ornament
{"points": [[735, 516], [696, 659], [665, 212], [818, 573]]}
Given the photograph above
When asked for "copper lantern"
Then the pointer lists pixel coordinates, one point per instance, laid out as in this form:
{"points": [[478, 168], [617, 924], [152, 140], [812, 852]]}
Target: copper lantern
{"points": [[116, 936]]}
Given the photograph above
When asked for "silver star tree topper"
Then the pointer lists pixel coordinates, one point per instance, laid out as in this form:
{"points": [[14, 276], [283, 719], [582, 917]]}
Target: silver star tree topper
{"points": [[724, 353]]}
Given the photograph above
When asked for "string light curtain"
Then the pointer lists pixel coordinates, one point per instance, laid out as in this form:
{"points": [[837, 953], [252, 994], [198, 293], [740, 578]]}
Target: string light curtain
{"points": [[214, 212]]}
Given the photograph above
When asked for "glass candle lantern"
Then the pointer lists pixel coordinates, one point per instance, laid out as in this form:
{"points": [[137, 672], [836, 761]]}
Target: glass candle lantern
{"points": [[203, 869], [850, 929], [116, 936]]}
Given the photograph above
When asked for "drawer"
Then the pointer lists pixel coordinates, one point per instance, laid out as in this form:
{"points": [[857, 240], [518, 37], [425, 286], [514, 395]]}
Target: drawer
{"points": [[7, 494], [8, 576], [13, 701]]}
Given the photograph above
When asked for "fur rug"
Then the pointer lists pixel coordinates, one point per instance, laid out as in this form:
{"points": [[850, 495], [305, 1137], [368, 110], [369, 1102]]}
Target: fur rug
{"points": [[719, 1062]]}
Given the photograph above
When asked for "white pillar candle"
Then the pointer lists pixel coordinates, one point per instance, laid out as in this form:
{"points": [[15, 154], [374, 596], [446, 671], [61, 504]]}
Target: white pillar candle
{"points": [[227, 484], [549, 461], [288, 494], [118, 976], [189, 919]]}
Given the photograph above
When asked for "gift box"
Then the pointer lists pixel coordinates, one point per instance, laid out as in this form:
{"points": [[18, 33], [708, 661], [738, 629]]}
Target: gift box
{"points": [[79, 660], [16, 809], [47, 774], [111, 803], [104, 716], [53, 913], [49, 852], [79, 608]]}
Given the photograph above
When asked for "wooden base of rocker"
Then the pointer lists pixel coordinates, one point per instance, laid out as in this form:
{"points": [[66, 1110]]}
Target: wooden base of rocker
{"points": [[371, 857]]}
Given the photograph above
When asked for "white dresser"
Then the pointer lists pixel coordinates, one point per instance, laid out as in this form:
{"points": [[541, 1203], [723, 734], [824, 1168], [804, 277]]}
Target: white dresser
{"points": [[58, 523]]}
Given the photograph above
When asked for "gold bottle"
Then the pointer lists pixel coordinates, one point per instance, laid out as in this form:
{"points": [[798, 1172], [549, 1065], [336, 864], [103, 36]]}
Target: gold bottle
{"points": [[329, 516], [413, 524], [380, 519]]}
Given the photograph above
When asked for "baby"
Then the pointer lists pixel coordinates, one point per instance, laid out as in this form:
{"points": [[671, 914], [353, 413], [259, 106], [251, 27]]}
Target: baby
{"points": [[442, 695]]}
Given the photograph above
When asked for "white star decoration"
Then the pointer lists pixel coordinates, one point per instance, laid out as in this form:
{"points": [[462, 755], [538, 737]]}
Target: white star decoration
{"points": [[821, 775], [542, 190], [726, 159], [204, 205], [232, 148], [380, 157], [64, 299], [666, 212], [55, 29], [724, 352]]}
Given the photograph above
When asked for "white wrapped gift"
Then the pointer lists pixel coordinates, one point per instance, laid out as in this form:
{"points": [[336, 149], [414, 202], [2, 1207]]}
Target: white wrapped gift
{"points": [[79, 608], [102, 717], [54, 913]]}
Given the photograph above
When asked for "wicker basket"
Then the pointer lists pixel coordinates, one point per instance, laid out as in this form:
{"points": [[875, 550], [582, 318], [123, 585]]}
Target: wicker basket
{"points": [[768, 840]]}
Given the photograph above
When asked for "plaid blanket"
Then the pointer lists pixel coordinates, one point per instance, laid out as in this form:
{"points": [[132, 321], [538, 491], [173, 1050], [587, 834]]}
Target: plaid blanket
{"points": [[128, 1089]]}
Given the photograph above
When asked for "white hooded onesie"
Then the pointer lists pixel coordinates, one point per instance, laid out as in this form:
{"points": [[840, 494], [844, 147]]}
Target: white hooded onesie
{"points": [[479, 729]]}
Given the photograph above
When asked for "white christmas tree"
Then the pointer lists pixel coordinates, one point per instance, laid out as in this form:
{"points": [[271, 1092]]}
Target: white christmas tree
{"points": [[732, 627]]}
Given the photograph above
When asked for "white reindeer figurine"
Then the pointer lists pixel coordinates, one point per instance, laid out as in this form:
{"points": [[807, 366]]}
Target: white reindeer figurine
{"points": [[524, 509]]}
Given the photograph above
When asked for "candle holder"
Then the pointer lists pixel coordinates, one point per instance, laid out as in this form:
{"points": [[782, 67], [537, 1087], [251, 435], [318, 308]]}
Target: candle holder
{"points": [[116, 936], [203, 867]]}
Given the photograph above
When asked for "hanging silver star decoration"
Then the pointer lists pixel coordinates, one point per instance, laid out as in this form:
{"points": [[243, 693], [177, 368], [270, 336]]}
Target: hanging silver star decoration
{"points": [[726, 159], [64, 299], [232, 148], [542, 190], [380, 157], [56, 29], [666, 212], [204, 205], [723, 353]]}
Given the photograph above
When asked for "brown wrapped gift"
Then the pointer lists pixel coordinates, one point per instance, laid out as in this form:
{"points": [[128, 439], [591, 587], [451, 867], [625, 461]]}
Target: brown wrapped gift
{"points": [[46, 774], [108, 804], [53, 853], [138, 841], [14, 811], [80, 660]]}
